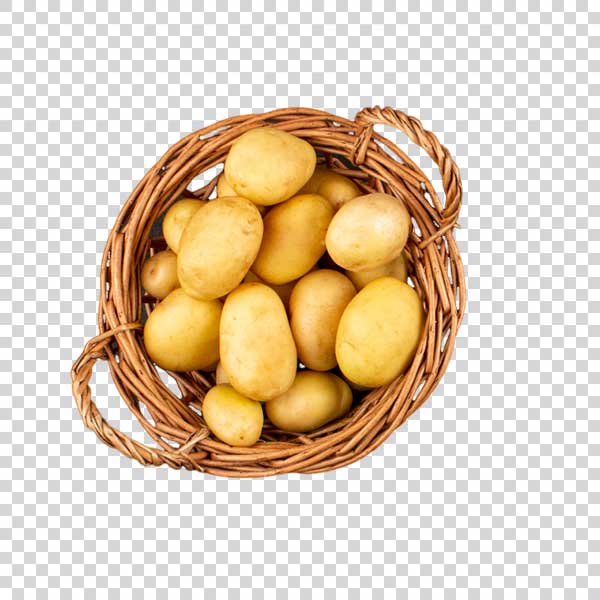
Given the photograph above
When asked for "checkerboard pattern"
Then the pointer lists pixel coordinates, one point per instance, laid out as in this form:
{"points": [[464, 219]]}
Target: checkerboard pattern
{"points": [[492, 489]]}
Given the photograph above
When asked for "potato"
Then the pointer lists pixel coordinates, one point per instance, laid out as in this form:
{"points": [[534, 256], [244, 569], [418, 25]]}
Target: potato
{"points": [[396, 268], [379, 332], [313, 400], [159, 274], [233, 418], [220, 375], [335, 188], [218, 246], [268, 166], [176, 219], [224, 190], [284, 291], [345, 398], [258, 353], [316, 305], [368, 232], [294, 238], [182, 333]]}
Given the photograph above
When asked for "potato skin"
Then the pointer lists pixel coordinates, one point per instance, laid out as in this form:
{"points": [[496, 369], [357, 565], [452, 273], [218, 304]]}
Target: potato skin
{"points": [[176, 219], [315, 399], [368, 232], [284, 291], [294, 238], [345, 398], [220, 375], [396, 268], [335, 188], [379, 332], [182, 333], [231, 417], [268, 165], [218, 246], [224, 190], [159, 274], [316, 306], [258, 353]]}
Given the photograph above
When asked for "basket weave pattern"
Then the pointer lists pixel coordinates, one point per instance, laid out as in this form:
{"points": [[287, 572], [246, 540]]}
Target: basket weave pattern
{"points": [[174, 422]]}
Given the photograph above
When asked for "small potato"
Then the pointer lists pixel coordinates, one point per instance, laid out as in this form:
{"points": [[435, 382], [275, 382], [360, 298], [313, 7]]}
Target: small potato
{"points": [[294, 239], [176, 219], [335, 188], [159, 274], [220, 375], [233, 418], [313, 400], [258, 353], [224, 190], [218, 246], [268, 165], [379, 332], [316, 305], [182, 333], [284, 291], [368, 232], [396, 268]]}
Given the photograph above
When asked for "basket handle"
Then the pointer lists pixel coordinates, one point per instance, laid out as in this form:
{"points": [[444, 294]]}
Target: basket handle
{"points": [[427, 140], [81, 373]]}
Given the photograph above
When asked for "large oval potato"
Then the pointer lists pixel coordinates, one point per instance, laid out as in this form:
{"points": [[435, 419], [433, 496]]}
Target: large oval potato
{"points": [[335, 188], [268, 166], [316, 305], [379, 332], [159, 274], [182, 333], [177, 218], [396, 268], [220, 375], [233, 418], [314, 399], [345, 398], [367, 232], [294, 238], [258, 353], [218, 246]]}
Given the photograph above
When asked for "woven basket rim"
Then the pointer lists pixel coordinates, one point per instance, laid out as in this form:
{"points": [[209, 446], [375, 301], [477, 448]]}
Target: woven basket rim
{"points": [[174, 423]]}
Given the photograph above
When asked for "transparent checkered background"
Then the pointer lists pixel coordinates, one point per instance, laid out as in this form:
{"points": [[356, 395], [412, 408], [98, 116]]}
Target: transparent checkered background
{"points": [[492, 489]]}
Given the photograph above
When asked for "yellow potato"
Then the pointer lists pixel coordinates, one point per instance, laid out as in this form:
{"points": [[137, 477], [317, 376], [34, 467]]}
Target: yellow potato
{"points": [[345, 398], [159, 274], [233, 418], [396, 268], [176, 219], [224, 190], [379, 332], [268, 166], [218, 246], [294, 238], [182, 333], [284, 291], [220, 375], [316, 305], [335, 188], [368, 232], [313, 400], [257, 348]]}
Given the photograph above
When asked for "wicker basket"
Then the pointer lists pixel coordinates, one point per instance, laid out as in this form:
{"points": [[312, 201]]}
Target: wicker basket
{"points": [[175, 423]]}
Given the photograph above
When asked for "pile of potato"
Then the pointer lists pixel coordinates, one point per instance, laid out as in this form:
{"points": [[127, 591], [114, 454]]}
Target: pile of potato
{"points": [[290, 285]]}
